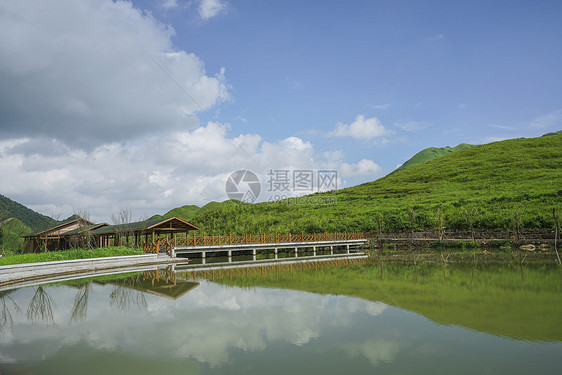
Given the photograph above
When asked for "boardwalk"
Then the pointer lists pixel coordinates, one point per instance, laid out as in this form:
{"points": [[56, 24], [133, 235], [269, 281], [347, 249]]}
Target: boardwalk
{"points": [[311, 247]]}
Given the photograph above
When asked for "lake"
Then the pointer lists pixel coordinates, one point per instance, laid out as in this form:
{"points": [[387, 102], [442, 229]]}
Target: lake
{"points": [[384, 319]]}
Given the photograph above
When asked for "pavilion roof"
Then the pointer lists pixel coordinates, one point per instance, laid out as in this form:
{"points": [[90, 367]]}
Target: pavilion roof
{"points": [[69, 222], [169, 224]]}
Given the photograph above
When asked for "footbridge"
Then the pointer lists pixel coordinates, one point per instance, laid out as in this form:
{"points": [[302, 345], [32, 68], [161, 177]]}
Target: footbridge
{"points": [[274, 250]]}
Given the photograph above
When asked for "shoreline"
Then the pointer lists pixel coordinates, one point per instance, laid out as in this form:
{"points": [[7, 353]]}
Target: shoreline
{"points": [[26, 274]]}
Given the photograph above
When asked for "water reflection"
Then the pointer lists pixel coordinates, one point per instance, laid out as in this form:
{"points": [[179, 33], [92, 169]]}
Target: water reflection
{"points": [[40, 308], [80, 308], [6, 320], [157, 319]]}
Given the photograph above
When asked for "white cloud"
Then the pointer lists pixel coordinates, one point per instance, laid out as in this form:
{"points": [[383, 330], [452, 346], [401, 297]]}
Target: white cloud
{"points": [[502, 127], [494, 139], [382, 106], [361, 128], [81, 72], [436, 37], [410, 126], [364, 167], [211, 8], [169, 4], [155, 174], [90, 122], [548, 121]]}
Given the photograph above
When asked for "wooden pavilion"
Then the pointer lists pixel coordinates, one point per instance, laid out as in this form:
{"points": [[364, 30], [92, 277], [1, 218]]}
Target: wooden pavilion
{"points": [[133, 233], [55, 238]]}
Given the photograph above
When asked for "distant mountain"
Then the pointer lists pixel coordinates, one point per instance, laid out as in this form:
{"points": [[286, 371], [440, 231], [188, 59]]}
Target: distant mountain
{"points": [[32, 219], [189, 212], [430, 154], [553, 133]]}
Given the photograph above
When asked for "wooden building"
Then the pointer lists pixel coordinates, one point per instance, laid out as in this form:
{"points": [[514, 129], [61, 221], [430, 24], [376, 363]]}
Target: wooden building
{"points": [[55, 238], [79, 232]]}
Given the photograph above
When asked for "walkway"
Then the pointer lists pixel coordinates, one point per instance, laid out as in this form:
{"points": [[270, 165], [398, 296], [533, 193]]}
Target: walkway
{"points": [[34, 273]]}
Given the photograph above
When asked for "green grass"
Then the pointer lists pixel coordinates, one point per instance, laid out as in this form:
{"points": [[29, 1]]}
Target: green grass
{"points": [[68, 255], [502, 185], [11, 231], [430, 154]]}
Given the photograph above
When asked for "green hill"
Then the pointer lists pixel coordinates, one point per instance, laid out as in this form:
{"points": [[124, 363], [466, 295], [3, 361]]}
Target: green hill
{"points": [[185, 212], [500, 185], [32, 219], [430, 154], [188, 212], [11, 231]]}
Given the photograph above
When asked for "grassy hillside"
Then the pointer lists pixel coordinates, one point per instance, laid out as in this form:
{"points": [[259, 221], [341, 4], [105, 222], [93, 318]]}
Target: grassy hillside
{"points": [[430, 154], [34, 220], [189, 212], [17, 220], [502, 185], [11, 231]]}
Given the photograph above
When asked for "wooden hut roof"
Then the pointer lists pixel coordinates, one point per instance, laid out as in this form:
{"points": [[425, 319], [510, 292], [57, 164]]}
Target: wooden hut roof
{"points": [[85, 228], [170, 224], [56, 230]]}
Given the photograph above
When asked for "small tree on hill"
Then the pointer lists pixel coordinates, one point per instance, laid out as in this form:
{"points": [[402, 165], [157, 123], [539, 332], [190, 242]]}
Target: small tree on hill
{"points": [[440, 223]]}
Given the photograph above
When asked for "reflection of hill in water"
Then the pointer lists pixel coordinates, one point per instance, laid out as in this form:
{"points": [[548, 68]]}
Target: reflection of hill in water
{"points": [[523, 303]]}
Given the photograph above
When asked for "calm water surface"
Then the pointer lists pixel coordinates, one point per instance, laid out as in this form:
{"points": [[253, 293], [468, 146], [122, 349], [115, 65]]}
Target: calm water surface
{"points": [[144, 326]]}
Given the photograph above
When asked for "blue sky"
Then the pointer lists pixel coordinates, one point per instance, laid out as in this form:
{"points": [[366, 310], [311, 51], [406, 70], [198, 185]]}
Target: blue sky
{"points": [[479, 71], [90, 119]]}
